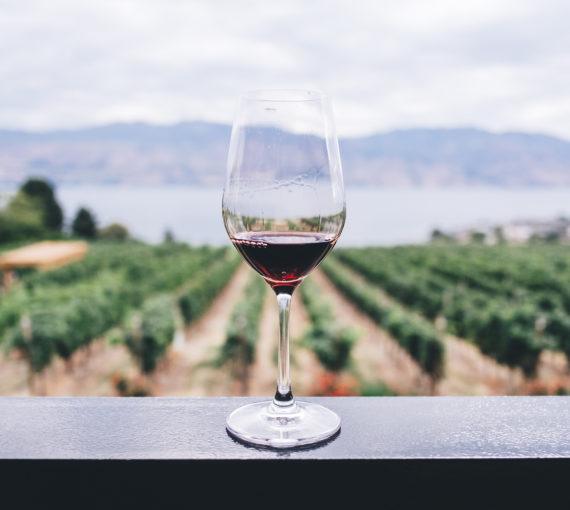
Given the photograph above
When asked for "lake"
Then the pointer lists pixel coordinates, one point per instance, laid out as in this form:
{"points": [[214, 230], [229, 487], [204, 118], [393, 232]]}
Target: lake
{"points": [[374, 216]]}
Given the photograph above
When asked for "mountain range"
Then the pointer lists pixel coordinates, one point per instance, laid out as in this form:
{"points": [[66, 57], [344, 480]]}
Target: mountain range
{"points": [[195, 153]]}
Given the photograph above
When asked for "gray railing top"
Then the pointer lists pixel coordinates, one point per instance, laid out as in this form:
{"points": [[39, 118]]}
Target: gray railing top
{"points": [[372, 428]]}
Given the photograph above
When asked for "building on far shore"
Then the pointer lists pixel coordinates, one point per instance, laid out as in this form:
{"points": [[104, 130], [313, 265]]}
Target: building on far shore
{"points": [[515, 232]]}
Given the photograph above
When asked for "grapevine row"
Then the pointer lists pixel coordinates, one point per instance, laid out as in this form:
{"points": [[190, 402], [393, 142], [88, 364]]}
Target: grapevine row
{"points": [[149, 331], [514, 330], [416, 335], [331, 343], [238, 350], [55, 320]]}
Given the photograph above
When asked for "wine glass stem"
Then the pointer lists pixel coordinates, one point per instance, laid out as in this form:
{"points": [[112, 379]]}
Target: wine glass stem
{"points": [[283, 395]]}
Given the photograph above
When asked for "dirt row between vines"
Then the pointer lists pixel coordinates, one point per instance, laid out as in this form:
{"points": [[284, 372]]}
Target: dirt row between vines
{"points": [[96, 369], [379, 358], [305, 368], [91, 371], [186, 369], [183, 371]]}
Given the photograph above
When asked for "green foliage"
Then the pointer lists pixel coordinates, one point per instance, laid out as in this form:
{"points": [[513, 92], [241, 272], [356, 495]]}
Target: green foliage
{"points": [[331, 344], [21, 219], [477, 237], [32, 213], [100, 257], [375, 390], [12, 306], [84, 224], [151, 330], [511, 301], [168, 237], [205, 286], [438, 236], [113, 232], [155, 267], [43, 193], [59, 321], [241, 336], [414, 334], [57, 312], [36, 338]]}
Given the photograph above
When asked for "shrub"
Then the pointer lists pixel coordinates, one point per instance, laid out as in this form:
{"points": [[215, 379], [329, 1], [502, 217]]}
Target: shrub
{"points": [[84, 224], [238, 350], [205, 287], [150, 331], [114, 232], [331, 343]]}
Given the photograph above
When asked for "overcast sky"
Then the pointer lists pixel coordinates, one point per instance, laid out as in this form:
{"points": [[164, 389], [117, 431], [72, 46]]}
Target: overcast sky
{"points": [[499, 64]]}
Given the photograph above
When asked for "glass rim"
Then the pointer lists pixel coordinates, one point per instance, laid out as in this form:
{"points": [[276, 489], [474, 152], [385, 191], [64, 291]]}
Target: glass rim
{"points": [[283, 95]]}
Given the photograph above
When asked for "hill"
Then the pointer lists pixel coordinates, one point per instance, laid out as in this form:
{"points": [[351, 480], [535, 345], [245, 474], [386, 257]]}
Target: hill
{"points": [[195, 153]]}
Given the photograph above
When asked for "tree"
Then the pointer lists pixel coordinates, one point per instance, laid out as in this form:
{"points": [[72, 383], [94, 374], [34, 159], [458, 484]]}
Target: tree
{"points": [[169, 237], [499, 233], [114, 232], [21, 219], [84, 224], [438, 235], [477, 237], [42, 192]]}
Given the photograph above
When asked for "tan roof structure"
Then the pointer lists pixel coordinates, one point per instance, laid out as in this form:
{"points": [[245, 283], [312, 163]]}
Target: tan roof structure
{"points": [[43, 255]]}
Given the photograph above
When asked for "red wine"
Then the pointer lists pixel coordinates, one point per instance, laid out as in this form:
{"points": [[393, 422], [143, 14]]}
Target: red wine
{"points": [[283, 258]]}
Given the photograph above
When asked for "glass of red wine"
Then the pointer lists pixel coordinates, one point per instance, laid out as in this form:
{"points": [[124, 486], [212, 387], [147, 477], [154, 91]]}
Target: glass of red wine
{"points": [[284, 209]]}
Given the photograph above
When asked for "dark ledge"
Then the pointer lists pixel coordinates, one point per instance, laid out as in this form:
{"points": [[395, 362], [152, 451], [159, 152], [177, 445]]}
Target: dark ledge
{"points": [[396, 441], [372, 428]]}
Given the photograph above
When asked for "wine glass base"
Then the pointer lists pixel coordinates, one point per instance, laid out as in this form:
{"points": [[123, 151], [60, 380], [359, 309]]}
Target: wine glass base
{"points": [[266, 424]]}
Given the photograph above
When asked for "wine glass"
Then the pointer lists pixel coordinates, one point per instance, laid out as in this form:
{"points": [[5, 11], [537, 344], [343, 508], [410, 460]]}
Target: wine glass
{"points": [[284, 209]]}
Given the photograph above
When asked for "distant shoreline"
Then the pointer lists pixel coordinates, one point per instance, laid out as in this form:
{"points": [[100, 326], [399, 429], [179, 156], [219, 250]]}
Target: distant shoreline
{"points": [[375, 216]]}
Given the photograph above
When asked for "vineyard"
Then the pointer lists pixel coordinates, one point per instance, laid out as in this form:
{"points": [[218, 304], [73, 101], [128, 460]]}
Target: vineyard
{"points": [[134, 319]]}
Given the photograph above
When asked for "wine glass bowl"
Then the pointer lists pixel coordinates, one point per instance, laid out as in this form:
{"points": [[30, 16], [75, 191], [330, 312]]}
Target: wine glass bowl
{"points": [[284, 209]]}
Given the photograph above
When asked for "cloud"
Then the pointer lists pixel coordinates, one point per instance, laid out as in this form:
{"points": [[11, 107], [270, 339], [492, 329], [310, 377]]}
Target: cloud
{"points": [[500, 65]]}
